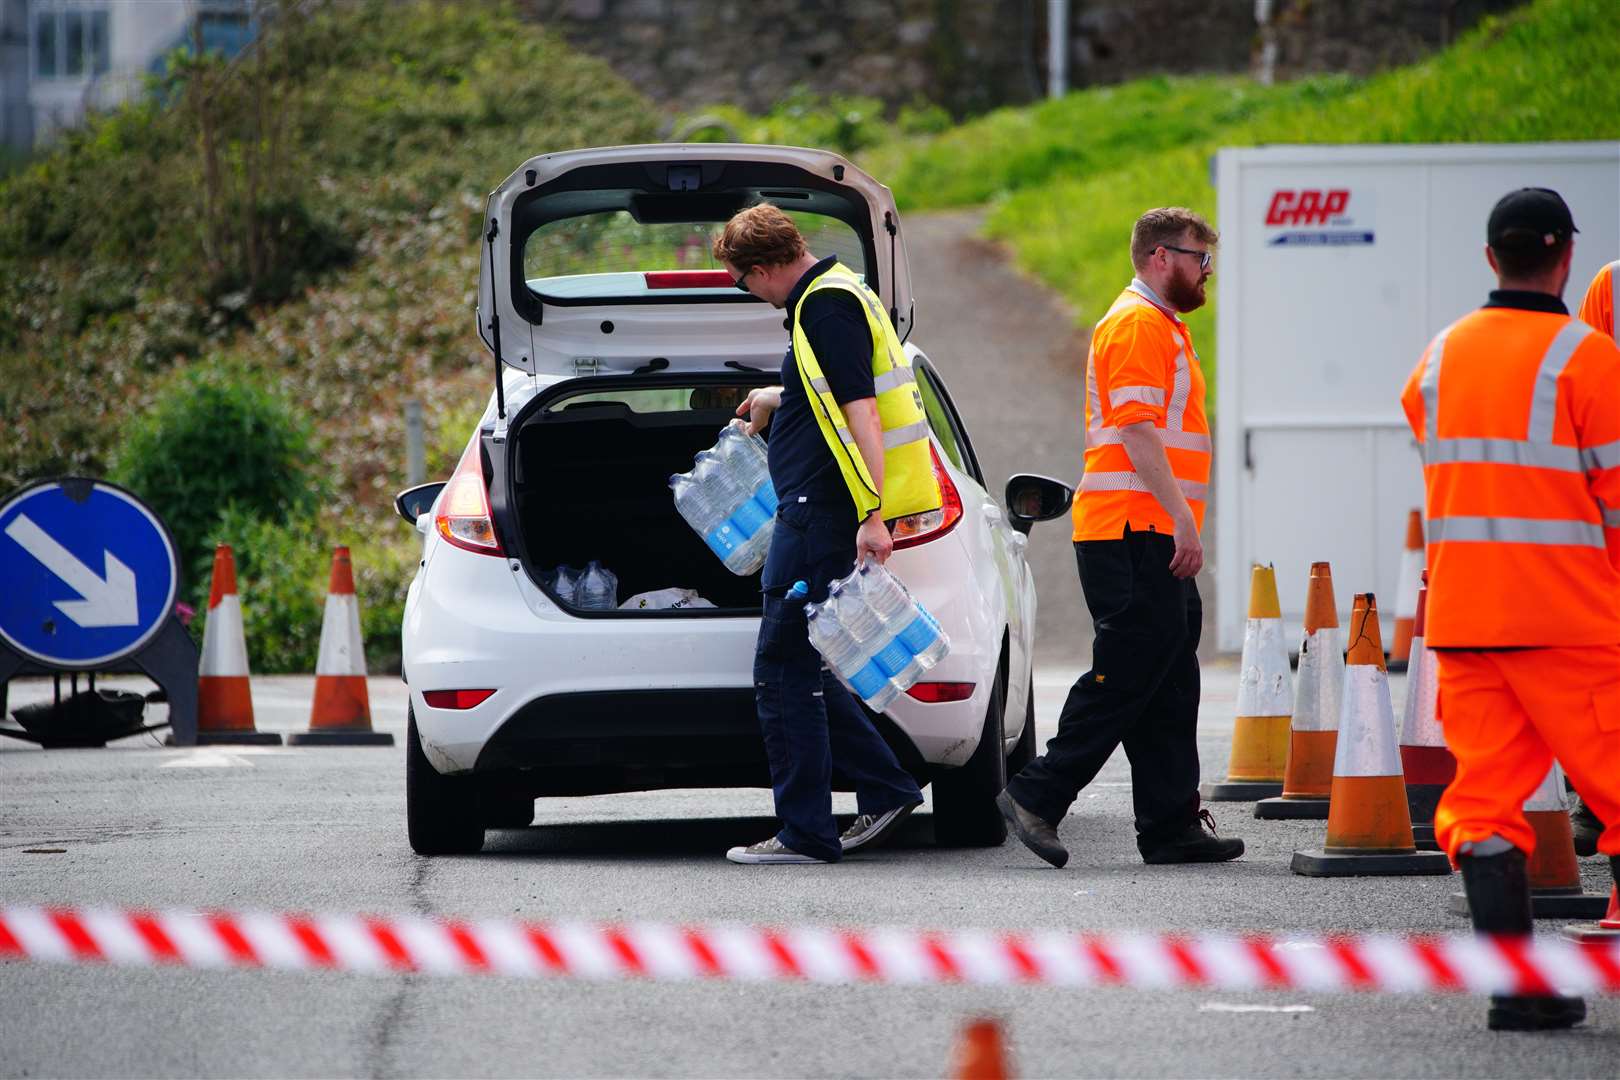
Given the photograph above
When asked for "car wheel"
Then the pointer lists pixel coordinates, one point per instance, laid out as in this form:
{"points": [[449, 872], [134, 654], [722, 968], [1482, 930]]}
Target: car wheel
{"points": [[965, 813], [441, 812], [1024, 750], [502, 810]]}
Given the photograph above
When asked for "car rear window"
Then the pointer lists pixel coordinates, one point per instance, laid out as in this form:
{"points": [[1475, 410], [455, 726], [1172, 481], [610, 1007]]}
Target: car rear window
{"points": [[610, 255]]}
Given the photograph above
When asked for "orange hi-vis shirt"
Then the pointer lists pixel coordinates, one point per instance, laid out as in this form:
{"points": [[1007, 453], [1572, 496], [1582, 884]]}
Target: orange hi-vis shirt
{"points": [[1142, 366], [1602, 298], [1517, 413]]}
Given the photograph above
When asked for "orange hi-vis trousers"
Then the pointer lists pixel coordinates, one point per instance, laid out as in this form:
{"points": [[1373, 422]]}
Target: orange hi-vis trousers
{"points": [[1506, 714]]}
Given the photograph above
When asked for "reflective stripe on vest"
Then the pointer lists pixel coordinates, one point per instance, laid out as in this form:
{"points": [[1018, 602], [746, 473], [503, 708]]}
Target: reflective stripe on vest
{"points": [[909, 484], [1129, 481], [1535, 451]]}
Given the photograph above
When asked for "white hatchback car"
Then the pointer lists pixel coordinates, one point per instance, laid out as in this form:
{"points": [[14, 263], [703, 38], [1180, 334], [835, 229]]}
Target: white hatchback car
{"points": [[620, 350]]}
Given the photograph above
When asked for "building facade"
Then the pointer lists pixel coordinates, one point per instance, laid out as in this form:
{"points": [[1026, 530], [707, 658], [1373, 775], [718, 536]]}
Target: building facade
{"points": [[62, 59]]}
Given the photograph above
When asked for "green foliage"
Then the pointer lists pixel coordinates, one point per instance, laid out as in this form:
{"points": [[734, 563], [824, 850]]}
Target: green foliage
{"points": [[1067, 178], [283, 567], [213, 439], [828, 122]]}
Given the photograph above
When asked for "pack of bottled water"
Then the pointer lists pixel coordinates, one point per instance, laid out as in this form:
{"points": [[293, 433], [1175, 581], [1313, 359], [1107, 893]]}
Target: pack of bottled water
{"points": [[873, 634], [728, 499], [595, 588]]}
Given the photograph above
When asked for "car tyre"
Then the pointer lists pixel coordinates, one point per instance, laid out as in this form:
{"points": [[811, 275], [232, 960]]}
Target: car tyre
{"points": [[1024, 750], [965, 812], [441, 812]]}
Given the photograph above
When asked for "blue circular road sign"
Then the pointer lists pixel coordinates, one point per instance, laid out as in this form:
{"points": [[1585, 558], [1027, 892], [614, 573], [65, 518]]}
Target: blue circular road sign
{"points": [[90, 573]]}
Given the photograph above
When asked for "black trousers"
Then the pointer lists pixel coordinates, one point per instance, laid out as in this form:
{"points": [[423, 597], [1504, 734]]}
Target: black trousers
{"points": [[1142, 690]]}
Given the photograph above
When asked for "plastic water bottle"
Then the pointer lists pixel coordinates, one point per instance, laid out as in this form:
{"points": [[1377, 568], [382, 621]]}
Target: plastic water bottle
{"points": [[598, 588], [916, 629], [864, 624], [745, 456], [846, 657], [696, 503], [565, 581], [727, 503]]}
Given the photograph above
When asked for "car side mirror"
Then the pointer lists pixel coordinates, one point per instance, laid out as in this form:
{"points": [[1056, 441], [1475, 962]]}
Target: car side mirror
{"points": [[413, 502], [1032, 498]]}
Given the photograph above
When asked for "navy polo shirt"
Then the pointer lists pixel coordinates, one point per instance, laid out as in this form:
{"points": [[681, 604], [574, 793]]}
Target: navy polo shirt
{"points": [[802, 464]]}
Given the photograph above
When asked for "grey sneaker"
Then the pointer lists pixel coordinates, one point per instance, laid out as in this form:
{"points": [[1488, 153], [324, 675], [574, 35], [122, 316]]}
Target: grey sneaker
{"points": [[1035, 832], [868, 830], [768, 851]]}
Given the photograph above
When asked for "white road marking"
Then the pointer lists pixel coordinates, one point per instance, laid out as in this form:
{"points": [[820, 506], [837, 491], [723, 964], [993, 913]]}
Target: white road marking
{"points": [[207, 757], [1225, 1007]]}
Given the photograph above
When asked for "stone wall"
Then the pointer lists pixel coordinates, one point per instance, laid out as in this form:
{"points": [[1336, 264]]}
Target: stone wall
{"points": [[970, 55]]}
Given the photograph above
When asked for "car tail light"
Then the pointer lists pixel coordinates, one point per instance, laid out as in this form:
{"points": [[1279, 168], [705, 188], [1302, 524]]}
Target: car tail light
{"points": [[688, 279], [455, 699], [464, 518], [914, 529], [935, 692]]}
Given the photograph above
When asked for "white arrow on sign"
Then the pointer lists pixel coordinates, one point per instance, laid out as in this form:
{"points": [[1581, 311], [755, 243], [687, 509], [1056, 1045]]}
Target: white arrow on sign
{"points": [[108, 601]]}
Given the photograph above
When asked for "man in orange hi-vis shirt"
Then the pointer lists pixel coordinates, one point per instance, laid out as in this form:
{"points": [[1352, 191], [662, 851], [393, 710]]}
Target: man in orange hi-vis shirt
{"points": [[1515, 409], [1136, 524], [1598, 308]]}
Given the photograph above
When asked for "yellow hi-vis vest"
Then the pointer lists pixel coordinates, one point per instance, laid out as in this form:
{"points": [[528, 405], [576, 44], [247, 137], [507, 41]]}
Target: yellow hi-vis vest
{"points": [[909, 485]]}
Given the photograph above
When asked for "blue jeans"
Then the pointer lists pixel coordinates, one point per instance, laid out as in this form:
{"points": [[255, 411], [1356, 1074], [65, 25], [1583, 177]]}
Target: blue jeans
{"points": [[811, 724]]}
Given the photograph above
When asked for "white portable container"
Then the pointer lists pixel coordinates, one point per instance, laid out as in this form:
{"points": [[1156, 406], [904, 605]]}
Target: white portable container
{"points": [[1337, 266]]}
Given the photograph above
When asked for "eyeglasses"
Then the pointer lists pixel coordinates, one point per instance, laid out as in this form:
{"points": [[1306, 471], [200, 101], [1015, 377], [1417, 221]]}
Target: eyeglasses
{"points": [[742, 280], [1204, 257]]}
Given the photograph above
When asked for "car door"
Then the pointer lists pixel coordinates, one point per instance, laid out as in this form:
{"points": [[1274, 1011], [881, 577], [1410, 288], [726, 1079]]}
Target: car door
{"points": [[1006, 545]]}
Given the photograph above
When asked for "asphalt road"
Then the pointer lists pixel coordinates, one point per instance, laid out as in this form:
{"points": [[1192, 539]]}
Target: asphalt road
{"points": [[323, 829]]}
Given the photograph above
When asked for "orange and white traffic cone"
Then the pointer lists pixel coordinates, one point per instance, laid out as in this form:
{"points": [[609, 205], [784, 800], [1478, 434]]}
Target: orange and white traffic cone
{"points": [[1406, 593], [341, 715], [1426, 760], [981, 1053], [224, 696], [1264, 702], [1605, 929], [1555, 876], [1314, 730], [1369, 830]]}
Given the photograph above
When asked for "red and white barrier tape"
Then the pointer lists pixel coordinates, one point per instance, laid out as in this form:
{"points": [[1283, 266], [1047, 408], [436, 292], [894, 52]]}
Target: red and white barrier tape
{"points": [[1207, 961]]}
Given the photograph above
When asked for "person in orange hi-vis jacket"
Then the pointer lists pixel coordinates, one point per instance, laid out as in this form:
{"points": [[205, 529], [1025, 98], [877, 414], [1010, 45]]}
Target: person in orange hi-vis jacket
{"points": [[1514, 407], [1597, 310], [1136, 530]]}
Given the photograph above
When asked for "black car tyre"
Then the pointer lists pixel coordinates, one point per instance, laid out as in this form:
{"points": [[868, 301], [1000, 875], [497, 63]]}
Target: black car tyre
{"points": [[965, 813], [1024, 750], [441, 812]]}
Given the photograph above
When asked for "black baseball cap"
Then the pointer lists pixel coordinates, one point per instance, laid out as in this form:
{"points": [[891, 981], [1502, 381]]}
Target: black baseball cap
{"points": [[1529, 217]]}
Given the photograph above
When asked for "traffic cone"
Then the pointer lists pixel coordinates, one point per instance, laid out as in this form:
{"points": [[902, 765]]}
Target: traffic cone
{"points": [[341, 715], [1314, 730], [981, 1052], [1406, 594], [1369, 830], [224, 697], [1555, 876], [1264, 702], [1426, 761], [1605, 929]]}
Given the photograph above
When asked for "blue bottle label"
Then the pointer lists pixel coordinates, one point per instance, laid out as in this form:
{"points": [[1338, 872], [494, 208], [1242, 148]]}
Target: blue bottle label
{"points": [[868, 681], [724, 540], [766, 496], [893, 658], [920, 634], [748, 519]]}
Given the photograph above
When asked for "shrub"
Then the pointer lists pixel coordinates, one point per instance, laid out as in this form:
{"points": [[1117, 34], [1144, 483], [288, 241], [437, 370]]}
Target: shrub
{"points": [[214, 438]]}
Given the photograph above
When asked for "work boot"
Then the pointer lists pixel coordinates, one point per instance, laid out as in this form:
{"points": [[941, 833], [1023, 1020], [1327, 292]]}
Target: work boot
{"points": [[1039, 835], [1586, 827], [1198, 842], [1498, 888]]}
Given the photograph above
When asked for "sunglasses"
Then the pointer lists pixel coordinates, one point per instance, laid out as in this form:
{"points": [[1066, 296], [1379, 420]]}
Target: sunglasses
{"points": [[1204, 257], [742, 280]]}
